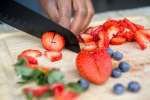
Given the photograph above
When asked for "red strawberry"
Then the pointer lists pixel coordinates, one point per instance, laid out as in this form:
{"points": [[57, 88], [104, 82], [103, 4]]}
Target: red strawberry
{"points": [[109, 23], [103, 41], [113, 30], [44, 69], [61, 94], [90, 46], [53, 55], [141, 39], [130, 25], [94, 66], [52, 41], [146, 32], [37, 92], [95, 31], [30, 55], [86, 37], [117, 40]]}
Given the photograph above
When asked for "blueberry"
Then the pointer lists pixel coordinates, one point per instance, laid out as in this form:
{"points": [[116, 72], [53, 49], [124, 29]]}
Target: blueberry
{"points": [[116, 73], [84, 83], [134, 86], [124, 66], [118, 89], [110, 51], [117, 55]]}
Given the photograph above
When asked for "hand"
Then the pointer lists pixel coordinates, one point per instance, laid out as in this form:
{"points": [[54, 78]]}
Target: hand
{"points": [[74, 15]]}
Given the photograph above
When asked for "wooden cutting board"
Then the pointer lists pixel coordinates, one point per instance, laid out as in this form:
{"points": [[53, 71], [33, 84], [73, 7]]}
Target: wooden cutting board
{"points": [[11, 44]]}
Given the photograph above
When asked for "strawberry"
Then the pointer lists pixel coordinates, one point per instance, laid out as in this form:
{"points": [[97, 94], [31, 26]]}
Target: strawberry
{"points": [[52, 41], [95, 31], [86, 37], [109, 23], [141, 39], [90, 46], [103, 41], [61, 94], [30, 55], [146, 32], [53, 55], [37, 92], [44, 69], [130, 25], [117, 40], [113, 30], [94, 66]]}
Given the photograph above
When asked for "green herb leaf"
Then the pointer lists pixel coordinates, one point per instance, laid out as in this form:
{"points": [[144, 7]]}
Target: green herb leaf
{"points": [[21, 62], [29, 96], [74, 87], [55, 76], [24, 71]]}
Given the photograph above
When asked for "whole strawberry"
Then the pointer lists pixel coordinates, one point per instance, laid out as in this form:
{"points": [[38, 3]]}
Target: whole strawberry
{"points": [[95, 66]]}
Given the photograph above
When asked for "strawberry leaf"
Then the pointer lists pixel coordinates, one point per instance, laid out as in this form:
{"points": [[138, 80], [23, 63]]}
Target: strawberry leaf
{"points": [[24, 71], [75, 87], [55, 76], [20, 62]]}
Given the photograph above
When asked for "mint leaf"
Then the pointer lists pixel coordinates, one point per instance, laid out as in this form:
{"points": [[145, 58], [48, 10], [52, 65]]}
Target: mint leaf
{"points": [[21, 62], [74, 87], [55, 76], [24, 71]]}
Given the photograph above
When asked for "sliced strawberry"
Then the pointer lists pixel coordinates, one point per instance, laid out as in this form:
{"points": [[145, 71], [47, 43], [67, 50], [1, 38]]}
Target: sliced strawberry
{"points": [[130, 25], [109, 23], [86, 37], [44, 69], [30, 55], [61, 94], [94, 66], [52, 41], [90, 46], [53, 55], [113, 30], [146, 32], [141, 39], [117, 40], [37, 92], [95, 32]]}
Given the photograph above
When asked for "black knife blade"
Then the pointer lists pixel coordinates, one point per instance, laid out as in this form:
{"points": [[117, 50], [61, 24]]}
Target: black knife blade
{"points": [[35, 24]]}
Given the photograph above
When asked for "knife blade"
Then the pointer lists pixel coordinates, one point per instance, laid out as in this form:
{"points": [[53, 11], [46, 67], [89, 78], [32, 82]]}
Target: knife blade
{"points": [[26, 20]]}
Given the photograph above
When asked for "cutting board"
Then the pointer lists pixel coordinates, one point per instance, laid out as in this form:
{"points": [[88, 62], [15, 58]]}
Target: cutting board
{"points": [[13, 43]]}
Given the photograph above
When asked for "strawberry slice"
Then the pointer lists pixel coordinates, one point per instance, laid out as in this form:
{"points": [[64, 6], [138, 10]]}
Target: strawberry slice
{"points": [[37, 92], [30, 55], [113, 30], [44, 69], [53, 55], [141, 39], [86, 37], [61, 94], [109, 23], [94, 66], [117, 40], [90, 46], [52, 41], [130, 25], [146, 32]]}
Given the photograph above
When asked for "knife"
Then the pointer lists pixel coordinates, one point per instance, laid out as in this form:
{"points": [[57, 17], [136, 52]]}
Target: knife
{"points": [[26, 20]]}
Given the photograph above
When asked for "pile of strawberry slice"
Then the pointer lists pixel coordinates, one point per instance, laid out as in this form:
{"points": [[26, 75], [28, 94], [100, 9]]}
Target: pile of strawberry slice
{"points": [[115, 32], [50, 81]]}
